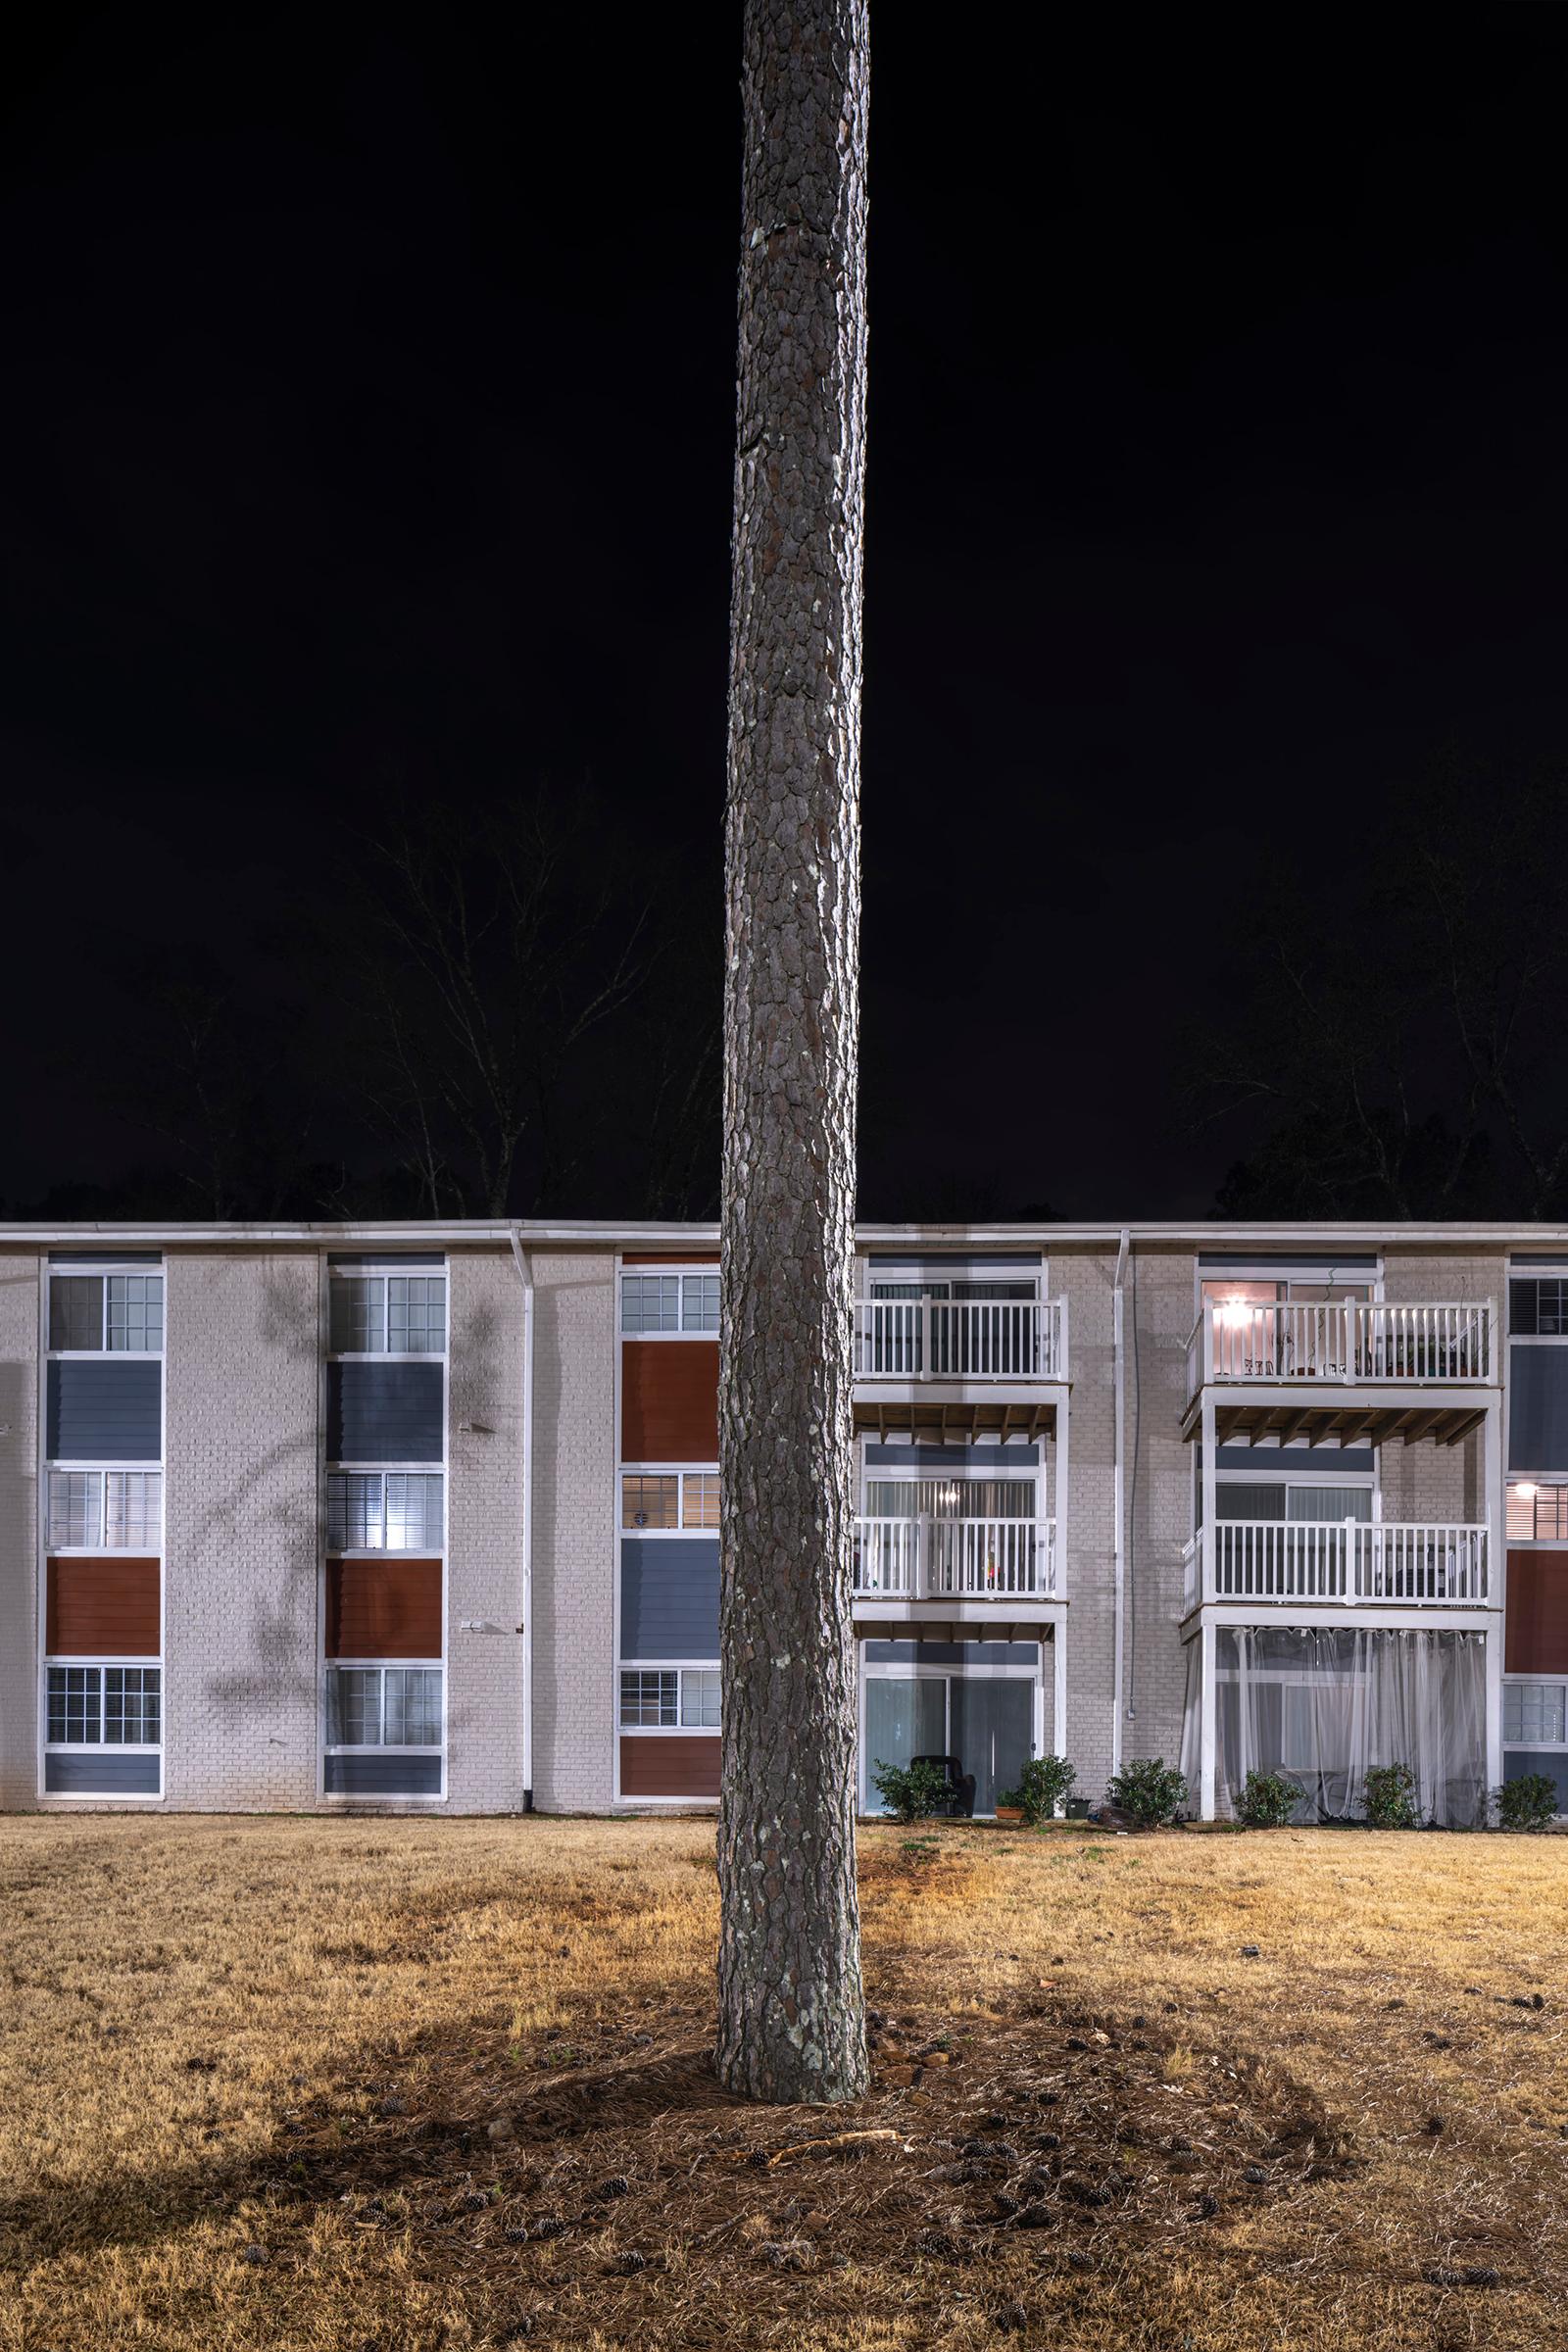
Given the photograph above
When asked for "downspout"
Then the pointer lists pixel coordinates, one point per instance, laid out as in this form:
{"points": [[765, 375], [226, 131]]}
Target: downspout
{"points": [[1119, 1504], [524, 1265]]}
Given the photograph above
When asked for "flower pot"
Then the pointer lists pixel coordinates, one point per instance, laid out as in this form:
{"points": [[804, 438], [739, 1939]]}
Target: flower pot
{"points": [[1077, 1808], [1010, 1813]]}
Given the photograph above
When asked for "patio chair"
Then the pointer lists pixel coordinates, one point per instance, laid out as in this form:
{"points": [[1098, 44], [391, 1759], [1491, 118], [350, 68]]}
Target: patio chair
{"points": [[960, 1784]]}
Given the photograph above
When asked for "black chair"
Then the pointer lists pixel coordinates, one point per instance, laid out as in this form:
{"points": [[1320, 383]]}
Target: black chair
{"points": [[960, 1803]]}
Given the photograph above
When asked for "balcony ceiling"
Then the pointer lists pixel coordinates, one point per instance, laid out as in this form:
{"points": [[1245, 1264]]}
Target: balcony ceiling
{"points": [[922, 1621], [1247, 1420], [962, 1419]]}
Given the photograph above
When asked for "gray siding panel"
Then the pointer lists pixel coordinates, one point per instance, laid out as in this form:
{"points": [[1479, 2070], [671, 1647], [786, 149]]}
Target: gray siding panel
{"points": [[369, 1774], [1519, 1762], [953, 1654], [384, 1413], [104, 1775], [105, 1411], [912, 1459], [1538, 1408], [670, 1597]]}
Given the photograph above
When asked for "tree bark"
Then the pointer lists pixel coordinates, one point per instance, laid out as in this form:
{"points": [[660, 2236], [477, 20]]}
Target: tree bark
{"points": [[792, 2020]]}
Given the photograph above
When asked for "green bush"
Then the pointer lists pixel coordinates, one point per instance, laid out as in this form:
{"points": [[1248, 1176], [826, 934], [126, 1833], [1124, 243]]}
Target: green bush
{"points": [[911, 1791], [1046, 1781], [1149, 1793], [1528, 1803], [1389, 1798], [1268, 1800]]}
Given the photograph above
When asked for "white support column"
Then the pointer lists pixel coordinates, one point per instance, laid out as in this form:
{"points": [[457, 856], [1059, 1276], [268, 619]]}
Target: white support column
{"points": [[1496, 1585], [1058, 1499], [1207, 1722], [1206, 1440], [1058, 1688]]}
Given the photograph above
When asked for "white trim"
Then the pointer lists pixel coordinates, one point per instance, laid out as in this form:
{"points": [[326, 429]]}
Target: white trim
{"points": [[1311, 1235]]}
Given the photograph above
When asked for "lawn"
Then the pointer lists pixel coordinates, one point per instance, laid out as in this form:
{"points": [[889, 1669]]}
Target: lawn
{"points": [[395, 2086]]}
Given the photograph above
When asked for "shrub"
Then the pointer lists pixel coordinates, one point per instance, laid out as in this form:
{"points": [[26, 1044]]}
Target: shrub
{"points": [[1268, 1800], [1527, 1803], [911, 1791], [1012, 1798], [1046, 1782], [1149, 1793], [1389, 1798]]}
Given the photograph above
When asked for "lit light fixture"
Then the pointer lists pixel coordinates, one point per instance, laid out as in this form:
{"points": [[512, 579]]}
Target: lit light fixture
{"points": [[1234, 1313], [1525, 1490], [950, 1499]]}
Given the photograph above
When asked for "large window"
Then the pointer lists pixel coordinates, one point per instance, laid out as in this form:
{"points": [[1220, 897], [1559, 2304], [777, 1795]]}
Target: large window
{"points": [[388, 1314], [103, 1706], [669, 1698], [1537, 1307], [1535, 1714], [383, 1706], [104, 1314], [105, 1510], [1537, 1514], [384, 1511], [656, 1502], [668, 1302]]}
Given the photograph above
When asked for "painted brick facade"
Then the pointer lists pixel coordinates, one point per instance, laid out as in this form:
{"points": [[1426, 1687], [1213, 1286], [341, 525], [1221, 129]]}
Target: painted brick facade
{"points": [[18, 1528], [574, 1531], [484, 1536]]}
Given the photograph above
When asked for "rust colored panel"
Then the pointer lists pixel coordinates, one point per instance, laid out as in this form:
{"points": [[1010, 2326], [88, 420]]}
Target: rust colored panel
{"points": [[104, 1608], [680, 1766], [669, 1400], [1538, 1613], [383, 1608], [668, 1257]]}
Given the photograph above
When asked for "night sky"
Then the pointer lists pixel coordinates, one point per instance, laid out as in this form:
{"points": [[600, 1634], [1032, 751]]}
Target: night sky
{"points": [[368, 412]]}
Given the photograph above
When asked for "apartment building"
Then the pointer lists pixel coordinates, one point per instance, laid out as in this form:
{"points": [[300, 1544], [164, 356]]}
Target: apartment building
{"points": [[426, 1517]]}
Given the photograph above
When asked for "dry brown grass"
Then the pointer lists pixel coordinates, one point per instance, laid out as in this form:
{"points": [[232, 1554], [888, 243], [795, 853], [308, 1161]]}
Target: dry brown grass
{"points": [[222, 2039]]}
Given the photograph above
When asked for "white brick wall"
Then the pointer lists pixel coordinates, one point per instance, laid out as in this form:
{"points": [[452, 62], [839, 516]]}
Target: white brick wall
{"points": [[18, 1528], [573, 1532], [241, 1449], [484, 1535]]}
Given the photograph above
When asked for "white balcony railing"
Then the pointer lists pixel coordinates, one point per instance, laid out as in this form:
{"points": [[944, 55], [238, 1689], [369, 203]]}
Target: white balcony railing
{"points": [[923, 1559], [960, 1338], [1355, 1341], [1345, 1560]]}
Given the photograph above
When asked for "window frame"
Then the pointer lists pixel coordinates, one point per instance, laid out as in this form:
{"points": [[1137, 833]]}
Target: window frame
{"points": [[103, 1271], [100, 1666], [1557, 1488], [680, 1668], [681, 1271], [106, 1547], [680, 1472], [383, 1550], [383, 1746], [1526, 1746], [383, 1272]]}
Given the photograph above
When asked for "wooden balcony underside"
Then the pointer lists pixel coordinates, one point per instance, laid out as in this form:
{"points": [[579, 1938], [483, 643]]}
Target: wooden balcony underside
{"points": [[927, 1413], [1442, 1419]]}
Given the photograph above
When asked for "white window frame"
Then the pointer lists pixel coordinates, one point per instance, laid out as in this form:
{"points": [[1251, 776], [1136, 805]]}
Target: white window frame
{"points": [[871, 1670], [680, 1472], [149, 1548], [679, 1668], [101, 1666], [1538, 1747], [1557, 1484], [1534, 1274], [682, 1273], [384, 1271], [383, 1550], [100, 1272], [383, 1747]]}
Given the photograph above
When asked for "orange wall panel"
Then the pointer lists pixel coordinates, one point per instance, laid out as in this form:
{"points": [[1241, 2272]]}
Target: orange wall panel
{"points": [[669, 1400], [105, 1608], [1538, 1613], [383, 1608], [679, 1766]]}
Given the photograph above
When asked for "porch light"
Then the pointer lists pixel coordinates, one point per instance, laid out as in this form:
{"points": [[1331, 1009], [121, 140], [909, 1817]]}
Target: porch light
{"points": [[949, 1497], [1234, 1313], [1525, 1490]]}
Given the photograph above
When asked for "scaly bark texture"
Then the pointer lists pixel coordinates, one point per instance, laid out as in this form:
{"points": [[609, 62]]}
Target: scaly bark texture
{"points": [[791, 2020]]}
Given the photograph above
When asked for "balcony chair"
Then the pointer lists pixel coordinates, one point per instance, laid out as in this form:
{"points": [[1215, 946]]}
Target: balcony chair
{"points": [[960, 1784]]}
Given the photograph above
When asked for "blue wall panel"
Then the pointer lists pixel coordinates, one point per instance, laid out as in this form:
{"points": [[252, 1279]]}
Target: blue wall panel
{"points": [[105, 1411], [1552, 1761], [368, 1773], [101, 1773], [384, 1413], [670, 1597], [1538, 1408]]}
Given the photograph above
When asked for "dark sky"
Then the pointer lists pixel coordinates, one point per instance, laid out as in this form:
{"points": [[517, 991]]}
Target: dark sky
{"points": [[368, 406]]}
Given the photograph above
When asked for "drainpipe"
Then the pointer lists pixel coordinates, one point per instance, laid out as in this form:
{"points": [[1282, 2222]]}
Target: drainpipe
{"points": [[524, 1265], [1119, 1506]]}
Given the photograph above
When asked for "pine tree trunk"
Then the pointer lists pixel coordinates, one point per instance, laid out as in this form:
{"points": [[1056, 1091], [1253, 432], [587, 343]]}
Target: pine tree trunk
{"points": [[791, 2013]]}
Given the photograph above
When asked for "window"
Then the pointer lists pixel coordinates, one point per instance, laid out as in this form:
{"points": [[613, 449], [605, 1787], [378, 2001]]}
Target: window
{"points": [[383, 1510], [666, 1698], [1535, 1714], [1537, 1308], [655, 1502], [97, 1315], [951, 1498], [387, 1314], [383, 1706], [668, 1302], [103, 1706], [104, 1510], [1537, 1514]]}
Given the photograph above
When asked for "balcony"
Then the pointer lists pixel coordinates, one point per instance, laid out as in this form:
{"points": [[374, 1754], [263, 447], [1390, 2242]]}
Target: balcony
{"points": [[968, 1568], [973, 1366], [1379, 1369], [1273, 1563]]}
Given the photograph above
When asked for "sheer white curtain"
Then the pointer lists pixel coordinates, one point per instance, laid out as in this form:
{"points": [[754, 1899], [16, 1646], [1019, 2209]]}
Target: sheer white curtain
{"points": [[1321, 1706]]}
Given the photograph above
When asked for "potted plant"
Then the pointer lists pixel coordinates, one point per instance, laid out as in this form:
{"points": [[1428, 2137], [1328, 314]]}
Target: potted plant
{"points": [[1045, 1781], [1010, 1805]]}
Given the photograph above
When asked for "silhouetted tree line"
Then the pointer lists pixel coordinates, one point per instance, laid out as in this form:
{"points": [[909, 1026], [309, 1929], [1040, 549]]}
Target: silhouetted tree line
{"points": [[1397, 1045], [507, 1012]]}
